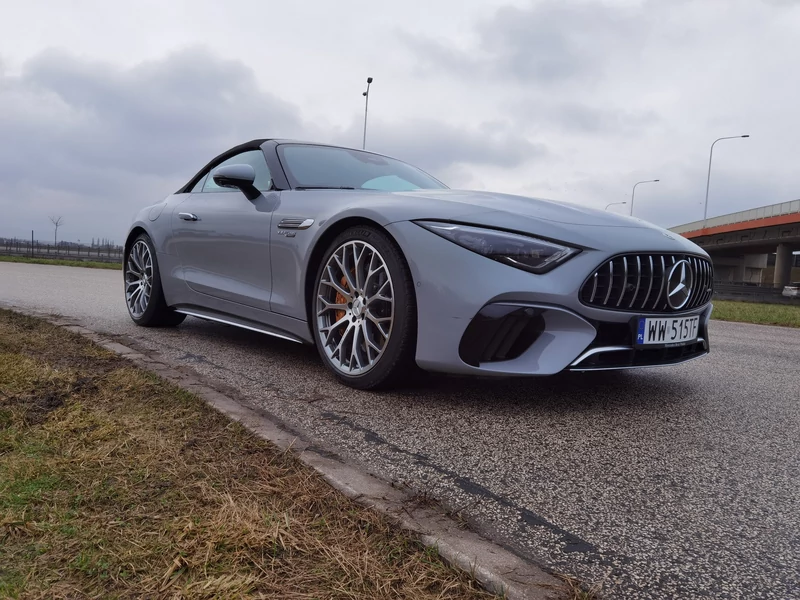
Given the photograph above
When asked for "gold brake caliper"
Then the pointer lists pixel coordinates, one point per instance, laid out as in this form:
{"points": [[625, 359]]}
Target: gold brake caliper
{"points": [[340, 299]]}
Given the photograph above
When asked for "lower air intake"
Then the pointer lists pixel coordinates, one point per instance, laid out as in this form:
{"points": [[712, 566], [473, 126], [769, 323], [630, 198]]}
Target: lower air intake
{"points": [[499, 332]]}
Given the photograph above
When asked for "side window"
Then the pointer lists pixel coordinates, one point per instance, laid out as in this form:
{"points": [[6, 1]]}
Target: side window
{"points": [[254, 158], [199, 185]]}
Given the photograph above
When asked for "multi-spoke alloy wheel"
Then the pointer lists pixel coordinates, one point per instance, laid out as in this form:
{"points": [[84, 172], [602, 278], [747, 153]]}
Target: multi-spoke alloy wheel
{"points": [[144, 295], [139, 279], [364, 311], [355, 307]]}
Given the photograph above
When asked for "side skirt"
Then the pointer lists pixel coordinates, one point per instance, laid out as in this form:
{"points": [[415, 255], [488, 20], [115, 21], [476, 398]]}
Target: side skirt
{"points": [[203, 313]]}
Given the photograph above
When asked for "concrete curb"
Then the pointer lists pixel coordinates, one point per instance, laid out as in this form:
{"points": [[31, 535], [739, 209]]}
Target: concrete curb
{"points": [[496, 568]]}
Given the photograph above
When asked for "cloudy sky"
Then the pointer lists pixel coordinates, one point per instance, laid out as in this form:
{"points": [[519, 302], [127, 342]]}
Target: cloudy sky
{"points": [[107, 106]]}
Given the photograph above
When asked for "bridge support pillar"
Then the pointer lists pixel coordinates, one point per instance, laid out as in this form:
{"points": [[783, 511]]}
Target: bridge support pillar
{"points": [[740, 272], [783, 265]]}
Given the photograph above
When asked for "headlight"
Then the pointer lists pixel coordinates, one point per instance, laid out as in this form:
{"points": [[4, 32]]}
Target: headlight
{"points": [[521, 251]]}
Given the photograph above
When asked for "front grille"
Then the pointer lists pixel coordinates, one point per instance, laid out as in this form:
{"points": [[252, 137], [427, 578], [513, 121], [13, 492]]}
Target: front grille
{"points": [[636, 282]]}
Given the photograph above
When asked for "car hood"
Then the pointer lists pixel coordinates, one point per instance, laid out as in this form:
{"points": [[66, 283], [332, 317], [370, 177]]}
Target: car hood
{"points": [[537, 208], [562, 221]]}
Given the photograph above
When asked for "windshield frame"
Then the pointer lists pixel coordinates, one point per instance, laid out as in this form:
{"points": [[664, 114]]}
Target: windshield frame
{"points": [[295, 184]]}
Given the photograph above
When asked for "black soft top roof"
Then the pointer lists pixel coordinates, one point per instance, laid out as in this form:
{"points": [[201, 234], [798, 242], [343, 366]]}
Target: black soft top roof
{"points": [[253, 145]]}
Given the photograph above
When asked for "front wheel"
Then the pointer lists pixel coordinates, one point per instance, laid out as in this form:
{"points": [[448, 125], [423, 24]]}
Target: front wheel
{"points": [[364, 307], [144, 295]]}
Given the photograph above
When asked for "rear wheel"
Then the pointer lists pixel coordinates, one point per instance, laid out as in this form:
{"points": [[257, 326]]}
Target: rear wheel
{"points": [[364, 315], [144, 295]]}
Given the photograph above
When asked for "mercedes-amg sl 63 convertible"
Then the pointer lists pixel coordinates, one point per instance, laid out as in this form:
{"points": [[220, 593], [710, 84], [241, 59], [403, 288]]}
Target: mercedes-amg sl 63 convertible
{"points": [[387, 270]]}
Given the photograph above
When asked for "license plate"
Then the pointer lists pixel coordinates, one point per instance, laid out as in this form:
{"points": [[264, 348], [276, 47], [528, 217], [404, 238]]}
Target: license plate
{"points": [[672, 330]]}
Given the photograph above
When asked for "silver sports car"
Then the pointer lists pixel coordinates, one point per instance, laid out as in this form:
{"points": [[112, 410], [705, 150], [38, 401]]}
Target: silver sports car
{"points": [[387, 270]]}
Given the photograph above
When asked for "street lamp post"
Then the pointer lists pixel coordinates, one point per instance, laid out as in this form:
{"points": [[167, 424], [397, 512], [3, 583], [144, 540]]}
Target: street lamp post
{"points": [[708, 179], [613, 203], [366, 108], [633, 193]]}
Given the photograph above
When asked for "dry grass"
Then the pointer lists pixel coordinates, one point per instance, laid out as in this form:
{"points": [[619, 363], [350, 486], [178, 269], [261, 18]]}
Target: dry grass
{"points": [[115, 484], [576, 590], [752, 312]]}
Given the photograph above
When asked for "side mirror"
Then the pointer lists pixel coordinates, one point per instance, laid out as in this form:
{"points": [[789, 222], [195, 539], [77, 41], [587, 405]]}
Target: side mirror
{"points": [[237, 176]]}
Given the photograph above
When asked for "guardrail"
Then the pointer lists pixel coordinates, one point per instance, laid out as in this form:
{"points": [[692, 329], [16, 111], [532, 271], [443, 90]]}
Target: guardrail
{"points": [[773, 210], [752, 293]]}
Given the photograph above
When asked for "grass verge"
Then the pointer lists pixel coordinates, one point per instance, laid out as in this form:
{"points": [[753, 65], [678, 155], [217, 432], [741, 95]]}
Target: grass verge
{"points": [[117, 484], [91, 264], [752, 312]]}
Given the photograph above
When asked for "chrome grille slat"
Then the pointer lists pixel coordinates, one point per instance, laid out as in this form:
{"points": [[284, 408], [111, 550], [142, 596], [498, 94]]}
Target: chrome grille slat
{"points": [[710, 284], [709, 281], [697, 282], [610, 281], [701, 287], [650, 286], [624, 280], [647, 294], [703, 284], [661, 283], [638, 280]]}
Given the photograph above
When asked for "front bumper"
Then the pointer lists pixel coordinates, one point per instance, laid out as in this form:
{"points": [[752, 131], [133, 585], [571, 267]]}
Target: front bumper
{"points": [[614, 347], [525, 339], [477, 316]]}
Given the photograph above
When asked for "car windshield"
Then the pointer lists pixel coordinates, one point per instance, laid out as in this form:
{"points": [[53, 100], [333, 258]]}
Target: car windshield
{"points": [[327, 167]]}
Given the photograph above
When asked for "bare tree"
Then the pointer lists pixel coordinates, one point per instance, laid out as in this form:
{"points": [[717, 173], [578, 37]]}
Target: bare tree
{"points": [[56, 221]]}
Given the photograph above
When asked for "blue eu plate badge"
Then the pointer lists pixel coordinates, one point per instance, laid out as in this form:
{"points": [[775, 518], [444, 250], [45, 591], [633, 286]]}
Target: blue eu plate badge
{"points": [[640, 334]]}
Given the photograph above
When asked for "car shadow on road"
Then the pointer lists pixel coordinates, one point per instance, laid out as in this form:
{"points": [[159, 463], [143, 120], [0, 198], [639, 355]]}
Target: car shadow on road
{"points": [[647, 389], [571, 391]]}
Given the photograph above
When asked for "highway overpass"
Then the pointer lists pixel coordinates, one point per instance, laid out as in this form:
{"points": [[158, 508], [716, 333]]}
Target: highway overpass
{"points": [[741, 244]]}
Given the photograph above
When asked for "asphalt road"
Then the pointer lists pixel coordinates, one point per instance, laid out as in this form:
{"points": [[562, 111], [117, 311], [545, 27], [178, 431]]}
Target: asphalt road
{"points": [[679, 482]]}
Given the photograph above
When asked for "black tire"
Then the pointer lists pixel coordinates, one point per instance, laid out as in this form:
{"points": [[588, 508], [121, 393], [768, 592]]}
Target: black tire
{"points": [[396, 363], [157, 313]]}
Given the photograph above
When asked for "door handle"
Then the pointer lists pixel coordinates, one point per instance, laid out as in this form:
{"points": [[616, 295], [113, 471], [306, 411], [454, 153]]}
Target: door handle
{"points": [[187, 216]]}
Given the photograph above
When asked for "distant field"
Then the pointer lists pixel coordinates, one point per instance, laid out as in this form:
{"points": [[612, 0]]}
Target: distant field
{"points": [[751, 312], [91, 264]]}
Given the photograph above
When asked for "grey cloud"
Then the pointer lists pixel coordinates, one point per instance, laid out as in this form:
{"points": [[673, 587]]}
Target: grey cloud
{"points": [[581, 118], [432, 57], [568, 116], [94, 141], [547, 42], [159, 117], [435, 146], [678, 198]]}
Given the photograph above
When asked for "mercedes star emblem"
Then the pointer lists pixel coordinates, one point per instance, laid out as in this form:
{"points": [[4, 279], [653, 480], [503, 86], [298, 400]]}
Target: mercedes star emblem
{"points": [[679, 284]]}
